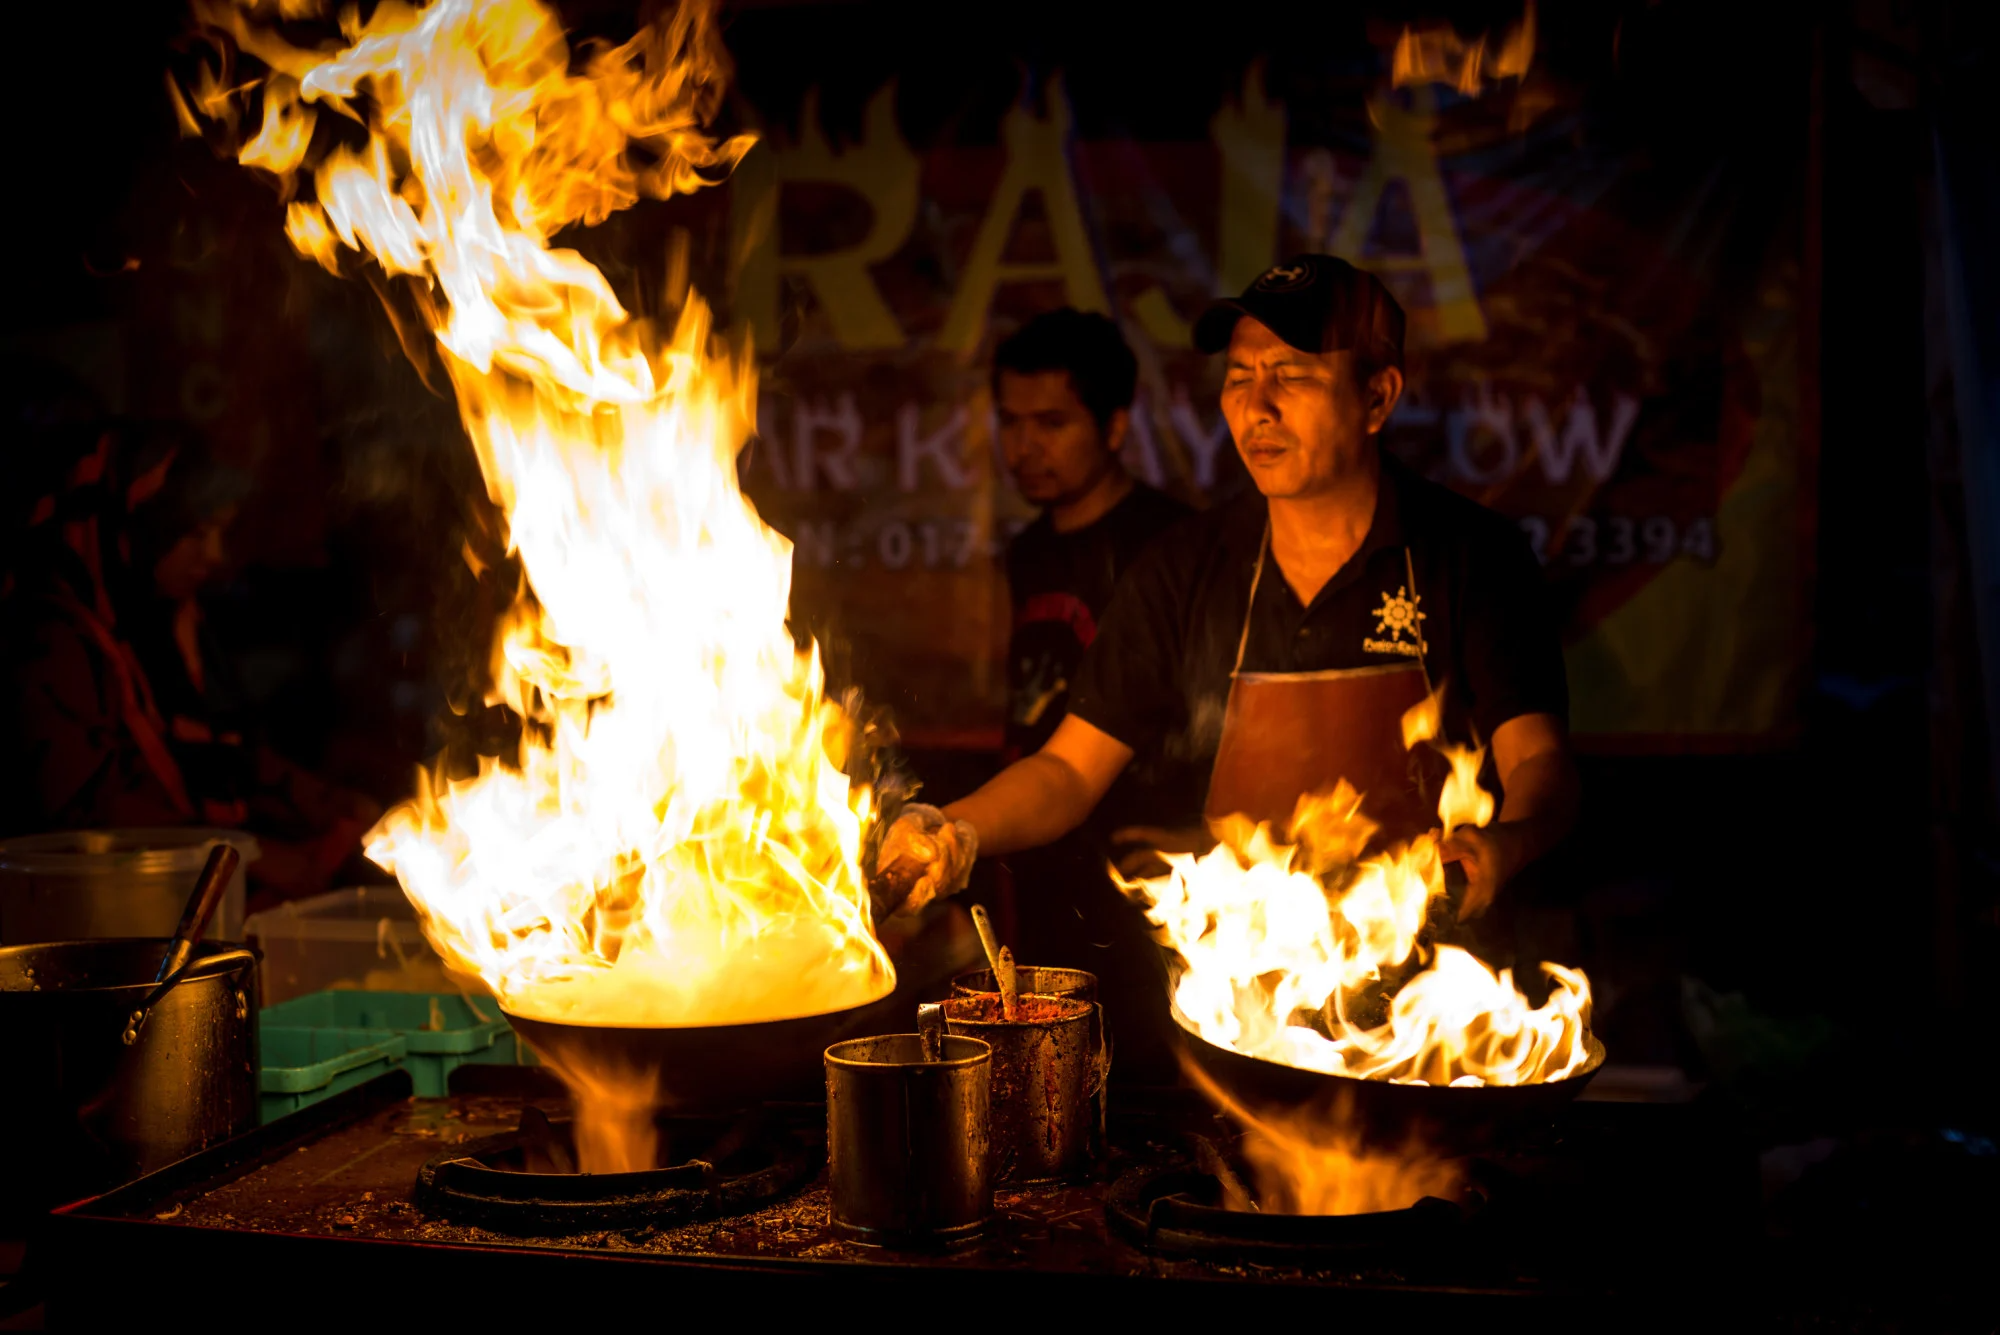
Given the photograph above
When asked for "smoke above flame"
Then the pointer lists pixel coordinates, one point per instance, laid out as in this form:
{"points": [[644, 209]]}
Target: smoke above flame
{"points": [[1287, 936], [676, 841]]}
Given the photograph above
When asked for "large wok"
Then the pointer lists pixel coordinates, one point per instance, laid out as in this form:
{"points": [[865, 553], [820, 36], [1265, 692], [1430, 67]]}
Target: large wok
{"points": [[722, 1067], [700, 1068], [1443, 1117]]}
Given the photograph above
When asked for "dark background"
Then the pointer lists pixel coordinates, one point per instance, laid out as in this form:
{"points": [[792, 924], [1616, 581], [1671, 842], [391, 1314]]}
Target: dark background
{"points": [[1812, 928]]}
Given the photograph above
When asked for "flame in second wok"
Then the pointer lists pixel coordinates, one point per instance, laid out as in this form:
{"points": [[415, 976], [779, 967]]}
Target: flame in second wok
{"points": [[1281, 933]]}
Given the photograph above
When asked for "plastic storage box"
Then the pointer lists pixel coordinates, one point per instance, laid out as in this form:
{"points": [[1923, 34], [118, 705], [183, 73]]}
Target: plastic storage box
{"points": [[302, 1066], [130, 882], [441, 1031], [363, 937]]}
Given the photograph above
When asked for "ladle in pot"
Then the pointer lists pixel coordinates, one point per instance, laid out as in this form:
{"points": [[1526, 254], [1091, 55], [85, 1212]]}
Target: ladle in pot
{"points": [[1000, 958], [208, 888]]}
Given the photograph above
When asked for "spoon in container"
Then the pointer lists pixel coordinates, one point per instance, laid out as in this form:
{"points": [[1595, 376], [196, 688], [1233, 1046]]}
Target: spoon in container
{"points": [[1002, 960], [208, 888]]}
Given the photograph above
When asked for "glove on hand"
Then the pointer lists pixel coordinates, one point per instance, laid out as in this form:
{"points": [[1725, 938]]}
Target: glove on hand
{"points": [[923, 857]]}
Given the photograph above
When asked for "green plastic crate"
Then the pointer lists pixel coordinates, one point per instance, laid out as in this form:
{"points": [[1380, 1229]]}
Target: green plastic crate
{"points": [[442, 1030], [300, 1066]]}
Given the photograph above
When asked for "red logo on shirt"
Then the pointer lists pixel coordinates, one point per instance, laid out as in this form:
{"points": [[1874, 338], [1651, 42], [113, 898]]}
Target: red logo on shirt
{"points": [[1060, 607]]}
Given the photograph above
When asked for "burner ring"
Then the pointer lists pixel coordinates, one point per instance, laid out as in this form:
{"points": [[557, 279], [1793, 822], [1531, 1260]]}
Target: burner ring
{"points": [[464, 1186], [1172, 1212]]}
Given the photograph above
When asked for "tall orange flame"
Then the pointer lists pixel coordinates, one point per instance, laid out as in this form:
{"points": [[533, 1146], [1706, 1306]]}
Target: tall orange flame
{"points": [[1316, 1161], [676, 841]]}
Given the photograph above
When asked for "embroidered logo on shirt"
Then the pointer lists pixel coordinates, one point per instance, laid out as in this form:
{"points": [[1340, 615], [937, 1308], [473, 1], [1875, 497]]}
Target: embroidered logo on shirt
{"points": [[1401, 619]]}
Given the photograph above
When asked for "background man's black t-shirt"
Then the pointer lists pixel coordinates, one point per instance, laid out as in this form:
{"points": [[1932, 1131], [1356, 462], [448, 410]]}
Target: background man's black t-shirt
{"points": [[1066, 910], [1060, 584], [1158, 671]]}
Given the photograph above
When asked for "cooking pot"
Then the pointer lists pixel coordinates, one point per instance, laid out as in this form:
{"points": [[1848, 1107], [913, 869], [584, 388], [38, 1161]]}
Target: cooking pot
{"points": [[84, 1110]]}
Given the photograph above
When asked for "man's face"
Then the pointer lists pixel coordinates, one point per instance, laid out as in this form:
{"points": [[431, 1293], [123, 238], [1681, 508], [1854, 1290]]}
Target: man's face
{"points": [[1051, 442], [1300, 420], [191, 563]]}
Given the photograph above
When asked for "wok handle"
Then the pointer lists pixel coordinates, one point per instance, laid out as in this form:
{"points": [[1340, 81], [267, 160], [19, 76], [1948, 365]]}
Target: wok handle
{"points": [[889, 887]]}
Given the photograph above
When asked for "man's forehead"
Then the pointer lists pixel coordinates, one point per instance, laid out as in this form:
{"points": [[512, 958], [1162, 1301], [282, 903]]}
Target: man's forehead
{"points": [[1253, 342], [1031, 390]]}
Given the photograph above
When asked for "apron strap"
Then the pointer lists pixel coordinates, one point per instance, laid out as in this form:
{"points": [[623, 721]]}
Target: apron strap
{"points": [[1256, 578], [1423, 645]]}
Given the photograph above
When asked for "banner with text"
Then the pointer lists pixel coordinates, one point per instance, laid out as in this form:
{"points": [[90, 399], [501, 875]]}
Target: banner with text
{"points": [[1603, 349]]}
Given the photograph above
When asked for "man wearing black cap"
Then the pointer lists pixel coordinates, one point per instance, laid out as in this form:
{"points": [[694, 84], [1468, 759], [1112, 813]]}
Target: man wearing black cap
{"points": [[1284, 635]]}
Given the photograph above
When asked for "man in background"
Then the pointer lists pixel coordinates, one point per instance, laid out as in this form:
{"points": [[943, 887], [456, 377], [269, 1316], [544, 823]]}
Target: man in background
{"points": [[1064, 384], [118, 707]]}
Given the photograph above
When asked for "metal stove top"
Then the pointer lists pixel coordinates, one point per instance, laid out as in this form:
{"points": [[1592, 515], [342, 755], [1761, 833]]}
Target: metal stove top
{"points": [[1620, 1204]]}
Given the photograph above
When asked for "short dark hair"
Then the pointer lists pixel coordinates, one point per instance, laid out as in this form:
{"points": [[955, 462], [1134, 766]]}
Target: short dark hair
{"points": [[1101, 366]]}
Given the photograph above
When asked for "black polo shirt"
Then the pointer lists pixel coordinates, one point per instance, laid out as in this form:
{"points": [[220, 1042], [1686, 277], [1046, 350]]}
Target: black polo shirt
{"points": [[1158, 672]]}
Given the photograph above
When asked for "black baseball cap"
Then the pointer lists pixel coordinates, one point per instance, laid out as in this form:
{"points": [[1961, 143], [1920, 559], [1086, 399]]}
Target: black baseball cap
{"points": [[1316, 303]]}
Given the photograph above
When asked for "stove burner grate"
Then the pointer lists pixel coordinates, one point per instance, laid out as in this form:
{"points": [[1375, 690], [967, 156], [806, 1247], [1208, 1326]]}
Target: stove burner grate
{"points": [[523, 1183], [1176, 1212]]}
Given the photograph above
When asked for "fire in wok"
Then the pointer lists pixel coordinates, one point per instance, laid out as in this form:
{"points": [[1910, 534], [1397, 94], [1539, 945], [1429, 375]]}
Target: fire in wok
{"points": [[676, 848], [1286, 940]]}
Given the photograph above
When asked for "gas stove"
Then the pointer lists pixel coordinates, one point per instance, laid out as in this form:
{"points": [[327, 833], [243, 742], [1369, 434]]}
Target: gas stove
{"points": [[462, 1207]]}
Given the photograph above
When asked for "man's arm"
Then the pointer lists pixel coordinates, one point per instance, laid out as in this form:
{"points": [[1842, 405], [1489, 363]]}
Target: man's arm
{"points": [[1040, 798], [1540, 794], [928, 853], [1128, 684]]}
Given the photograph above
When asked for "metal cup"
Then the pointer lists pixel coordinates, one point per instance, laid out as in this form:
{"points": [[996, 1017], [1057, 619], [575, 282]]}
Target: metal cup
{"points": [[1047, 1073], [908, 1146]]}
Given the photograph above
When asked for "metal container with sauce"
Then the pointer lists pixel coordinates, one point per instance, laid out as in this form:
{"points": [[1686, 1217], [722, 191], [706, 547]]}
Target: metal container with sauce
{"points": [[1047, 1073]]}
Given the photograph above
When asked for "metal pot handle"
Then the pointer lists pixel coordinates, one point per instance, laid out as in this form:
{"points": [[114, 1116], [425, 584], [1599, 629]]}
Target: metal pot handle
{"points": [[137, 1020], [1100, 1060]]}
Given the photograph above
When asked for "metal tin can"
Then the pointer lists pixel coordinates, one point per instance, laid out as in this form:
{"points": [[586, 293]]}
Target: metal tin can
{"points": [[908, 1145], [1047, 1072]]}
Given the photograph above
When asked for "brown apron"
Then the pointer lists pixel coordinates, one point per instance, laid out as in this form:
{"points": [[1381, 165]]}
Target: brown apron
{"points": [[1285, 734]]}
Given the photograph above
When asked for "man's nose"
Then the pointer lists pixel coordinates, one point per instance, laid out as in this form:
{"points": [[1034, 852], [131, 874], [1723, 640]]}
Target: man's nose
{"points": [[1261, 405]]}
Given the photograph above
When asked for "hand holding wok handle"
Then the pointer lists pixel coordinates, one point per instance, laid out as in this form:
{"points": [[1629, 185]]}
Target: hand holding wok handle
{"points": [[923, 857], [1137, 849], [1486, 858]]}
